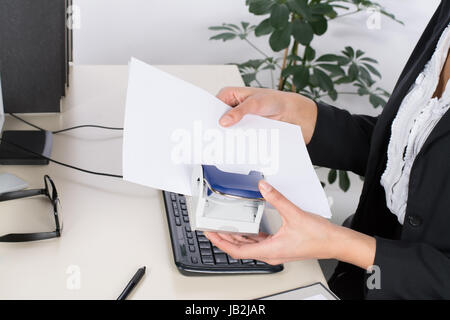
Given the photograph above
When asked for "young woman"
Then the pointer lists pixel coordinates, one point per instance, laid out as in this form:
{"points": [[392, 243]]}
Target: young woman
{"points": [[402, 224]]}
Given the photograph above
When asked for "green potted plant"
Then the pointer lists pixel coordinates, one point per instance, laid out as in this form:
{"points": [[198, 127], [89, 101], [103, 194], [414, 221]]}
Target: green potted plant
{"points": [[291, 26]]}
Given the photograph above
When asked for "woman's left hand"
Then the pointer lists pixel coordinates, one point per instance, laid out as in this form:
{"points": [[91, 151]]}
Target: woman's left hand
{"points": [[302, 235]]}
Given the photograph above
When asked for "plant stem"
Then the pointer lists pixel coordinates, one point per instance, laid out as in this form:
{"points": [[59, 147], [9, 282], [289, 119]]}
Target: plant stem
{"points": [[259, 50], [294, 53], [283, 66], [347, 14]]}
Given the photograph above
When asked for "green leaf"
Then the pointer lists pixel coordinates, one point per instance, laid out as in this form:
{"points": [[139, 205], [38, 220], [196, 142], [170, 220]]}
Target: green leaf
{"points": [[332, 14], [313, 80], [369, 60], [279, 16], [333, 68], [300, 7], [372, 70], [289, 70], [260, 7], [220, 28], [333, 94], [224, 36], [359, 53], [332, 176], [321, 8], [280, 39], [310, 53], [232, 26], [349, 52], [376, 101], [302, 32], [264, 28], [319, 25], [342, 80], [301, 77], [365, 76], [344, 181], [325, 82], [328, 58], [353, 71], [245, 25], [249, 78]]}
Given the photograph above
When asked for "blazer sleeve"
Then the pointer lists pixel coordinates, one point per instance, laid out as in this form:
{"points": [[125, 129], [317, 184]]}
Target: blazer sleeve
{"points": [[341, 140], [410, 271]]}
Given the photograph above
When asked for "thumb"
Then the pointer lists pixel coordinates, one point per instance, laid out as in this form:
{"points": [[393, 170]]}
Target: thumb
{"points": [[235, 115], [284, 207]]}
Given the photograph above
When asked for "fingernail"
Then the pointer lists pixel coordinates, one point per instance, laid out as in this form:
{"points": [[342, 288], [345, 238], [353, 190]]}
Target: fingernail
{"points": [[264, 186], [226, 120]]}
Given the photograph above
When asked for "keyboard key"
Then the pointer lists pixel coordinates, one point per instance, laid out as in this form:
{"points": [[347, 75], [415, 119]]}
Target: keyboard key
{"points": [[194, 260], [186, 219], [207, 259], [260, 263], [191, 241], [232, 260], [191, 248], [174, 205], [204, 245], [184, 213], [183, 207], [199, 233], [189, 235], [183, 249], [206, 252], [202, 239], [173, 197], [221, 258], [176, 212], [177, 221], [248, 261], [217, 250], [188, 228], [182, 201]]}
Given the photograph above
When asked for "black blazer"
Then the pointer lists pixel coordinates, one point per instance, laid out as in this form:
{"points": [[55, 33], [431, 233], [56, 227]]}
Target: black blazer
{"points": [[414, 259]]}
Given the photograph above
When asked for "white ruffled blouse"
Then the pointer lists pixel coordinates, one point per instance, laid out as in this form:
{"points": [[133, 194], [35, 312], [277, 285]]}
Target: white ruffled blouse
{"points": [[418, 114]]}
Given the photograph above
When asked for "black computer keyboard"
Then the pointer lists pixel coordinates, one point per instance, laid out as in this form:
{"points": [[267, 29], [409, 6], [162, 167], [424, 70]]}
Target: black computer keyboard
{"points": [[193, 252]]}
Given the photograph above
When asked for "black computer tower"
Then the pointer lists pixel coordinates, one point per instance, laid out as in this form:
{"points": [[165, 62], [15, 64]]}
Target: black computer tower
{"points": [[35, 50]]}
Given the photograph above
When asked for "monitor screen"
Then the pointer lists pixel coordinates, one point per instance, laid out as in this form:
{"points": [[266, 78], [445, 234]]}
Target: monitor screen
{"points": [[2, 114]]}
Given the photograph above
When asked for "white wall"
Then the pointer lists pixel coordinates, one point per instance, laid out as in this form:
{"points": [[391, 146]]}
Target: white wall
{"points": [[176, 32]]}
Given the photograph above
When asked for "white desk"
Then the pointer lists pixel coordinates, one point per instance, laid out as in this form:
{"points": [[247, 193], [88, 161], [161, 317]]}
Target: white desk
{"points": [[111, 227]]}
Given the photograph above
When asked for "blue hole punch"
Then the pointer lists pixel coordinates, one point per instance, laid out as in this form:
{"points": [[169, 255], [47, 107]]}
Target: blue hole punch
{"points": [[226, 201]]}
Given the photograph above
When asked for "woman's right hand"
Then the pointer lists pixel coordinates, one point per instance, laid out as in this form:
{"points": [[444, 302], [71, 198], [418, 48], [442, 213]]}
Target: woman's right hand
{"points": [[273, 104]]}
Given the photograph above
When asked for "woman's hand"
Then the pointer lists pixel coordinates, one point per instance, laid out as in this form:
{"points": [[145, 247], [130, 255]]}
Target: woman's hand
{"points": [[303, 235], [273, 104]]}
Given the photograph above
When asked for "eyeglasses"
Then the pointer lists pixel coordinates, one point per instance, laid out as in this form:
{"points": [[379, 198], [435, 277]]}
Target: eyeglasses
{"points": [[50, 192]]}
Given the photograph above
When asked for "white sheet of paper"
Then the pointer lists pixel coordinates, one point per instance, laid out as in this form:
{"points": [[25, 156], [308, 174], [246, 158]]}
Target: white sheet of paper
{"points": [[161, 108]]}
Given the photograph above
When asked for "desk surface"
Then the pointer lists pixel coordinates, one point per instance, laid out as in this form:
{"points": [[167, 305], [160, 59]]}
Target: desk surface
{"points": [[111, 227]]}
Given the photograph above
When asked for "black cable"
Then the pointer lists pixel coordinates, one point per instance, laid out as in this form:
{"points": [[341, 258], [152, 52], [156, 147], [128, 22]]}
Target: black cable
{"points": [[67, 129], [61, 163], [28, 123], [87, 126]]}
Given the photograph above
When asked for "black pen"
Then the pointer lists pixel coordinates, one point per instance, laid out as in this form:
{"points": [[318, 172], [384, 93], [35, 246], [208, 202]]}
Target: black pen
{"points": [[133, 282]]}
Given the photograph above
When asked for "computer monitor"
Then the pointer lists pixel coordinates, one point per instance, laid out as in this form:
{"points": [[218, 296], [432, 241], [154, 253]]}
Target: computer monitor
{"points": [[2, 110], [23, 147]]}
